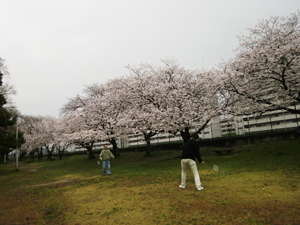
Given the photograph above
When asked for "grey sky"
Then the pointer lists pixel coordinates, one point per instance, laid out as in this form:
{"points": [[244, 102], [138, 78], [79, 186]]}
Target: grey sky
{"points": [[53, 48]]}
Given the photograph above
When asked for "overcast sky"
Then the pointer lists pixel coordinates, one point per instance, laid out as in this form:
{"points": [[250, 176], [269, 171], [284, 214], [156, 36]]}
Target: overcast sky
{"points": [[53, 48]]}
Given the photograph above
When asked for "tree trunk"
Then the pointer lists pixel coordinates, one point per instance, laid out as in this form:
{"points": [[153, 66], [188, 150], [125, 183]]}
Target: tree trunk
{"points": [[2, 158], [49, 154], [91, 154], [22, 154], [89, 148], [147, 139], [115, 150], [31, 155], [40, 153], [60, 153], [148, 149]]}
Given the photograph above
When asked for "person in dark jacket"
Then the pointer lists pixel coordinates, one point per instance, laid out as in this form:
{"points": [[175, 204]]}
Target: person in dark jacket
{"points": [[189, 153]]}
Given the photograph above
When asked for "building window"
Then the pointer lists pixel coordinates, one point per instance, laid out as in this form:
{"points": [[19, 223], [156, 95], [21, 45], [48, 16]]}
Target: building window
{"points": [[275, 123]]}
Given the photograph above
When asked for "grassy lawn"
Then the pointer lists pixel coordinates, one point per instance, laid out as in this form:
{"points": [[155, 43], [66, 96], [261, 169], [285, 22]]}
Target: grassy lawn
{"points": [[257, 184]]}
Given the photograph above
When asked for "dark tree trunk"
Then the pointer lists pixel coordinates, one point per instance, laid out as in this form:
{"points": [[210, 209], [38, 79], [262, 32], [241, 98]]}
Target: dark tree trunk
{"points": [[22, 154], [50, 152], [89, 148], [31, 154], [147, 137], [2, 158], [148, 149], [115, 150], [90, 151], [60, 153], [40, 153], [49, 155]]}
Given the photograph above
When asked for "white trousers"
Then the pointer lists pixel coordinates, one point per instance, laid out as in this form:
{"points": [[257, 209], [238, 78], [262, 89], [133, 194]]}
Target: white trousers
{"points": [[192, 164]]}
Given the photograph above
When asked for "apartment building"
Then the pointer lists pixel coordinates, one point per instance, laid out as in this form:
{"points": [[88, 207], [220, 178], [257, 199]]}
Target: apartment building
{"points": [[239, 125]]}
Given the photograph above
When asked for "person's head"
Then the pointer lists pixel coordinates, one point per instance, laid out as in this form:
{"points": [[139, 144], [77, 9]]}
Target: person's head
{"points": [[105, 147], [195, 137]]}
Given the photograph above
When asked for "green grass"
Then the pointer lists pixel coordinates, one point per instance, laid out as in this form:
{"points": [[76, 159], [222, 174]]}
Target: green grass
{"points": [[257, 184]]}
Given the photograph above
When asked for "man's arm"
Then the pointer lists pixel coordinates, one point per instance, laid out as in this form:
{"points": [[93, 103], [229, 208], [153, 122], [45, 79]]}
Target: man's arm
{"points": [[197, 153], [111, 155], [200, 160]]}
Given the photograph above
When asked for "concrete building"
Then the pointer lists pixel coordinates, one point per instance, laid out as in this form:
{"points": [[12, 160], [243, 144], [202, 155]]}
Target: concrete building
{"points": [[269, 121]]}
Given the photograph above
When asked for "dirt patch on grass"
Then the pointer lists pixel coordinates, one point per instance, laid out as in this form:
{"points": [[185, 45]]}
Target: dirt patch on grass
{"points": [[61, 181], [30, 169]]}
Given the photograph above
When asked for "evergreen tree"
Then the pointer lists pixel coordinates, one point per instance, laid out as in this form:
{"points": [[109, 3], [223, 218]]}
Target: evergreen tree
{"points": [[8, 140]]}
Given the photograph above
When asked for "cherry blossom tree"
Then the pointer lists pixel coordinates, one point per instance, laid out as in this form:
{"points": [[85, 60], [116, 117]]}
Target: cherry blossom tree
{"points": [[31, 132], [61, 144], [186, 98], [265, 73], [92, 118], [166, 99], [40, 133], [49, 128], [136, 114], [78, 131]]}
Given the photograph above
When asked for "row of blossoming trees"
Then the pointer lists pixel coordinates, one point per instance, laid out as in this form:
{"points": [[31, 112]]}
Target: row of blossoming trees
{"points": [[263, 76], [149, 100]]}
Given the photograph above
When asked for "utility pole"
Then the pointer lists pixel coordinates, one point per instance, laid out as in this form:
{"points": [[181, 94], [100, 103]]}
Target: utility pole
{"points": [[16, 154], [296, 114]]}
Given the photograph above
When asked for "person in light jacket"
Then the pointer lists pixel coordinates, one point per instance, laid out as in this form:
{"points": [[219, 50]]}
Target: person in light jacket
{"points": [[105, 156]]}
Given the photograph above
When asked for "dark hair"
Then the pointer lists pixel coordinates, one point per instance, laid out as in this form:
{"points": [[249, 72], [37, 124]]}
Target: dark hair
{"points": [[195, 136]]}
